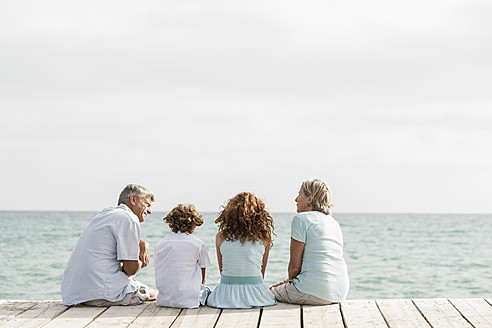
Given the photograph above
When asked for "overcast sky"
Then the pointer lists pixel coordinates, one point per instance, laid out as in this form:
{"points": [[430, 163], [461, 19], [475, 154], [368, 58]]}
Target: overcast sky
{"points": [[389, 102]]}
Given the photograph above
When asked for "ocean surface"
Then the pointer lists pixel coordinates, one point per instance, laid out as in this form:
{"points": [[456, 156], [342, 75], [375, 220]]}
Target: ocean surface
{"points": [[388, 255]]}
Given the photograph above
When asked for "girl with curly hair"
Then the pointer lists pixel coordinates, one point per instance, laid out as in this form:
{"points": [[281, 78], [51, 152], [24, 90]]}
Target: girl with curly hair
{"points": [[180, 261], [243, 244]]}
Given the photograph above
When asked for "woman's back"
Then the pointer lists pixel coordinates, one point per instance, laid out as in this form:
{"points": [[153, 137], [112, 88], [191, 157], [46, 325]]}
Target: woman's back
{"points": [[324, 271]]}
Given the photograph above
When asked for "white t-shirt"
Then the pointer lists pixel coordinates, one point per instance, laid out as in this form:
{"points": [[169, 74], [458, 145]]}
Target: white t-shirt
{"points": [[178, 261], [95, 270], [323, 272]]}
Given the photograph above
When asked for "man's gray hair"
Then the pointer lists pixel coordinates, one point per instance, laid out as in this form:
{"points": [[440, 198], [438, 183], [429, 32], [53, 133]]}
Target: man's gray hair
{"points": [[134, 189], [321, 195]]}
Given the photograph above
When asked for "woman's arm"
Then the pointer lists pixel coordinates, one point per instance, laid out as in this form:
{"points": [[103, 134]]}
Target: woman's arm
{"points": [[268, 245], [218, 241], [295, 263]]}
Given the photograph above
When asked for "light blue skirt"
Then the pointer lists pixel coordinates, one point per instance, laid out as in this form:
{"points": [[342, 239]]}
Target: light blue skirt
{"points": [[241, 293]]}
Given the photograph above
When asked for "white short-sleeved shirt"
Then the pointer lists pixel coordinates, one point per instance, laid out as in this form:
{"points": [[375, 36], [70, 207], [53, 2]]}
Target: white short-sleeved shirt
{"points": [[324, 271], [178, 261], [95, 269]]}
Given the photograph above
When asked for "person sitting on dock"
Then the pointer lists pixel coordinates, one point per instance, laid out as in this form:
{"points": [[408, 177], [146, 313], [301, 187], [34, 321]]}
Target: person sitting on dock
{"points": [[317, 270], [243, 244], [101, 270], [181, 260]]}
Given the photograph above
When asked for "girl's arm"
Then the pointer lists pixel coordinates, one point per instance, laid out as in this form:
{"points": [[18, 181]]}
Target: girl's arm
{"points": [[203, 275], [268, 245], [218, 241], [295, 263]]}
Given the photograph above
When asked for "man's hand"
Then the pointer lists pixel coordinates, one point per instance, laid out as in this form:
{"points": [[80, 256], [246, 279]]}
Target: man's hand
{"points": [[144, 255]]}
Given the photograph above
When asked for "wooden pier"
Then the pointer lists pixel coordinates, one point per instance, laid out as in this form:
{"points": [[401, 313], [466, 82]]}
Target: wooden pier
{"points": [[463, 313]]}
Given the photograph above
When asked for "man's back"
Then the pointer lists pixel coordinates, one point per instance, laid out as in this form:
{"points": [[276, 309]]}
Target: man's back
{"points": [[94, 269]]}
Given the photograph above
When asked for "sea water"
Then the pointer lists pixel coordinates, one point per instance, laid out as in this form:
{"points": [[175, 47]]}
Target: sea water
{"points": [[388, 255]]}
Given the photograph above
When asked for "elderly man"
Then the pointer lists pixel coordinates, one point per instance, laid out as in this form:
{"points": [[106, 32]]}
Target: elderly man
{"points": [[109, 253]]}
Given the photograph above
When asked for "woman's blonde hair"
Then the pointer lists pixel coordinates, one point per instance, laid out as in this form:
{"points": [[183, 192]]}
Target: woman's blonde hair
{"points": [[183, 218], [245, 218], [321, 193]]}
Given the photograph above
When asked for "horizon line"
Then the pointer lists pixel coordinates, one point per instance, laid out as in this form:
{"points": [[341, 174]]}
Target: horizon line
{"points": [[276, 212]]}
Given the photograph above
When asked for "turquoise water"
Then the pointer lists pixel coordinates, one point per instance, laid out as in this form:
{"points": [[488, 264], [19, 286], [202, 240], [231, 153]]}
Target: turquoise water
{"points": [[388, 255]]}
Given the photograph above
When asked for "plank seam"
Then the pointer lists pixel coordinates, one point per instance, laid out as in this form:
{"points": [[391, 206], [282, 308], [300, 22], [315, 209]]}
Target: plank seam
{"points": [[487, 302], [176, 317], [259, 318], [422, 314], [33, 304], [382, 314], [68, 307], [460, 313], [146, 306], [218, 317], [343, 316], [301, 310], [97, 316]]}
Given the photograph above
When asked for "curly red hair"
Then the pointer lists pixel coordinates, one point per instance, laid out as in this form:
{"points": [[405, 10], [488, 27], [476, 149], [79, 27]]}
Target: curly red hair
{"points": [[245, 218]]}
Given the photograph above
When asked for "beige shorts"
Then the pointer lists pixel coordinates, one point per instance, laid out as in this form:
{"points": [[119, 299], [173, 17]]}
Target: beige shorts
{"points": [[139, 296], [288, 293]]}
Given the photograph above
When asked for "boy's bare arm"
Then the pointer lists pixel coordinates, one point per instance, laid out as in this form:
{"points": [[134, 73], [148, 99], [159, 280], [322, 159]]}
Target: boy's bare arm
{"points": [[203, 276]]}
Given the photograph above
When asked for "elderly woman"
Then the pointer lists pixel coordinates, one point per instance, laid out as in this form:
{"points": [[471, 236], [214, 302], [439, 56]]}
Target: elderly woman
{"points": [[317, 270]]}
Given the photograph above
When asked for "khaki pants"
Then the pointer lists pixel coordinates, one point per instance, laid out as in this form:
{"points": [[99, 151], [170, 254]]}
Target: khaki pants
{"points": [[288, 293], [139, 296]]}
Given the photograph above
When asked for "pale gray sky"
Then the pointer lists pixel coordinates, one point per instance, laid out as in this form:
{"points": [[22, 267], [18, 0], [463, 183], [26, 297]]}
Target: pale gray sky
{"points": [[388, 102]]}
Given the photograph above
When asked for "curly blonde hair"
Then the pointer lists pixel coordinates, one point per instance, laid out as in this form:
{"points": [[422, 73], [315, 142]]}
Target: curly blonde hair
{"points": [[245, 218], [183, 218]]}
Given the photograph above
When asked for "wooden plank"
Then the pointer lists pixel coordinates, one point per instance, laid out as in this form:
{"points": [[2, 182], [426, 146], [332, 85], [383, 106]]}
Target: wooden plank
{"points": [[441, 313], [76, 317], [476, 311], [240, 318], [155, 316], [10, 309], [281, 315], [362, 313], [322, 316], [118, 316], [38, 315], [401, 314], [203, 317]]}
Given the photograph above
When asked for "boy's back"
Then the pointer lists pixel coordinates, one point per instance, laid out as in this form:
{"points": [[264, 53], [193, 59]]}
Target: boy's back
{"points": [[178, 261]]}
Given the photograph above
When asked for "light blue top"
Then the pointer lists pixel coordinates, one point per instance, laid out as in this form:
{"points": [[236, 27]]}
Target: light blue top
{"points": [[323, 272], [242, 259], [241, 284]]}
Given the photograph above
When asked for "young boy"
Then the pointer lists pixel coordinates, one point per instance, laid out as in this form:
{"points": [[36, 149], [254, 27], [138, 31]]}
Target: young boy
{"points": [[180, 261]]}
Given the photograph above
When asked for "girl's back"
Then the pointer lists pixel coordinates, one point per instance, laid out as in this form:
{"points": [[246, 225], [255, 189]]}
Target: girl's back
{"points": [[241, 284], [242, 265], [242, 259]]}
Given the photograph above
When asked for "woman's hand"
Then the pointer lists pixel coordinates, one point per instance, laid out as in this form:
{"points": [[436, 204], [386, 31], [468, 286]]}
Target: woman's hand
{"points": [[280, 283]]}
